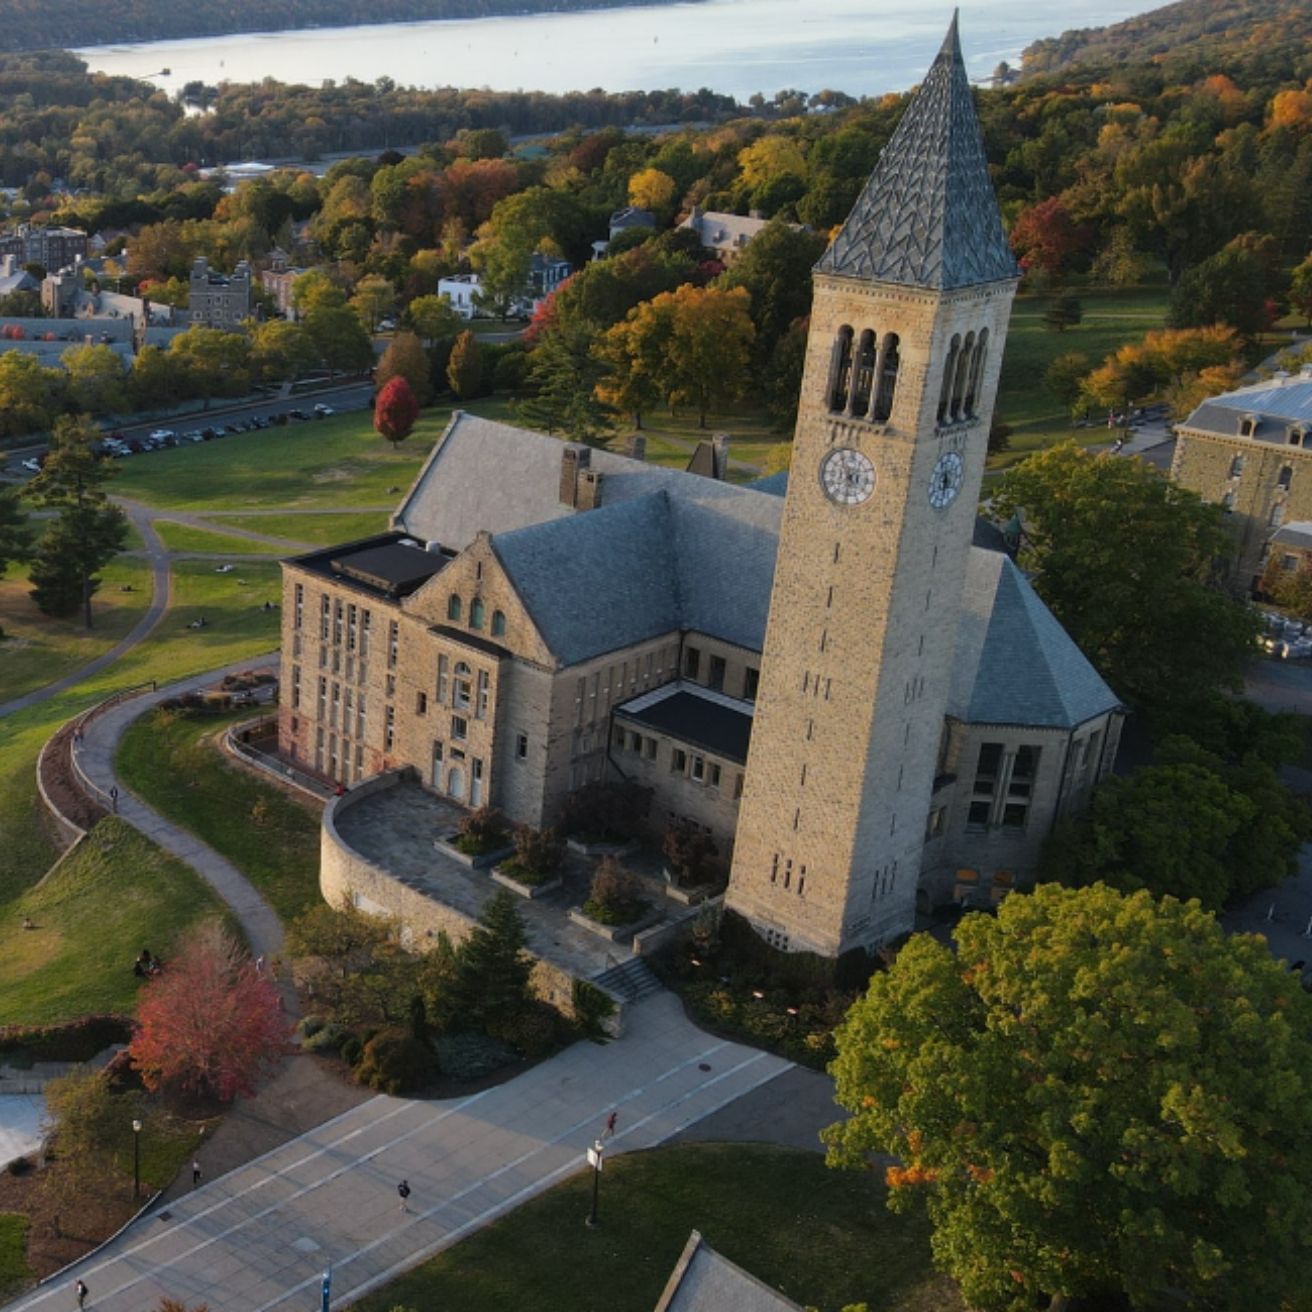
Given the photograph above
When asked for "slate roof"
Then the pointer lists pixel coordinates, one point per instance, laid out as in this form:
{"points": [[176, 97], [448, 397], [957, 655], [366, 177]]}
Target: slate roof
{"points": [[705, 1281], [1297, 533], [928, 216], [1013, 662], [1277, 405]]}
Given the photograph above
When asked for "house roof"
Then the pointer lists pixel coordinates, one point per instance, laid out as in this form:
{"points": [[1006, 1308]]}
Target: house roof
{"points": [[1276, 405], [1013, 662], [928, 216], [705, 1281], [1297, 533]]}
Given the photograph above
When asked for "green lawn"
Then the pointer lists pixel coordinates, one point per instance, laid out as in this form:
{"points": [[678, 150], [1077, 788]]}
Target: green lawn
{"points": [[15, 1274], [183, 537], [338, 461], [172, 762], [324, 530], [822, 1237], [1111, 318], [37, 649], [114, 894]]}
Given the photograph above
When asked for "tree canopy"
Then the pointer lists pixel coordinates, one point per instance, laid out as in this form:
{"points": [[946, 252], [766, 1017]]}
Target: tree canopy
{"points": [[1092, 1094]]}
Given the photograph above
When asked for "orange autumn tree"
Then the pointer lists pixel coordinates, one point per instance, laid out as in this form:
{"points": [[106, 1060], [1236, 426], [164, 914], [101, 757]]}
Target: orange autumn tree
{"points": [[209, 1023]]}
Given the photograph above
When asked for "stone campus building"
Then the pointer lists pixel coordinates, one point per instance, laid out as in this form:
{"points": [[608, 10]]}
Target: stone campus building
{"points": [[839, 673]]}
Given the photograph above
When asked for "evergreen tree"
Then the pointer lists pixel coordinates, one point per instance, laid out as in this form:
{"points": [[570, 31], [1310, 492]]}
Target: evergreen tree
{"points": [[464, 370], [87, 532], [15, 531], [564, 373], [491, 984]]}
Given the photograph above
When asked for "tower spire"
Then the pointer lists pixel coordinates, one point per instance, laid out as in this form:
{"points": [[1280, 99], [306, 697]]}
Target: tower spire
{"points": [[928, 216]]}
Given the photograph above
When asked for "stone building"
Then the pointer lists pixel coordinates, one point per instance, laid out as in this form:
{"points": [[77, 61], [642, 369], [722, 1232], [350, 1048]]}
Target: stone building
{"points": [[278, 280], [1250, 450], [218, 300], [840, 673], [52, 248]]}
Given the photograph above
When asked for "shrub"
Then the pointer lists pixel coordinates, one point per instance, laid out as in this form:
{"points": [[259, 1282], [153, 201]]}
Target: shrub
{"points": [[689, 852], [308, 1025], [605, 812], [77, 1040], [471, 1056], [616, 897], [394, 1062], [482, 831], [538, 853], [532, 1031], [352, 1051], [327, 1039]]}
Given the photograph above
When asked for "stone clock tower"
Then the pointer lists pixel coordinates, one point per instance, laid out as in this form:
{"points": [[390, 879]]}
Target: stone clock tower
{"points": [[908, 323]]}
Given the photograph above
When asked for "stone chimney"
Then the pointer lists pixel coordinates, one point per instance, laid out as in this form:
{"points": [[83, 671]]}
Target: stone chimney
{"points": [[572, 460], [638, 447], [721, 443], [589, 489]]}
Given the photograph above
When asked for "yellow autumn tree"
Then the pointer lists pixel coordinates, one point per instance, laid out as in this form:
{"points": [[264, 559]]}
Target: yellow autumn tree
{"points": [[650, 189]]}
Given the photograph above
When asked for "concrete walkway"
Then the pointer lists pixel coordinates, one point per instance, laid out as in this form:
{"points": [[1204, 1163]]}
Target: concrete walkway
{"points": [[96, 758], [261, 1237]]}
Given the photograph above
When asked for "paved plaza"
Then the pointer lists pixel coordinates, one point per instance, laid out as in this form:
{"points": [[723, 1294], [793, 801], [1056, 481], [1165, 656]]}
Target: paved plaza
{"points": [[260, 1237]]}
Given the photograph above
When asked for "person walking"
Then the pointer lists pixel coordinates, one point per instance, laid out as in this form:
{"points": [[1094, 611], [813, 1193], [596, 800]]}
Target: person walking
{"points": [[404, 1190], [195, 1172], [82, 1291], [610, 1124]]}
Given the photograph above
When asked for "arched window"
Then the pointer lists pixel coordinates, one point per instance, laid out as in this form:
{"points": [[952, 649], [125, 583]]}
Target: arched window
{"points": [[865, 374], [963, 371], [887, 379], [476, 613], [498, 624], [840, 372], [455, 782], [949, 373], [977, 371], [461, 687], [453, 606]]}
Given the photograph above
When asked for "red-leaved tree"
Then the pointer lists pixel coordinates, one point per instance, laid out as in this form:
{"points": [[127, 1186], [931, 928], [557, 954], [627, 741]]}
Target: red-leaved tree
{"points": [[209, 1022], [395, 409]]}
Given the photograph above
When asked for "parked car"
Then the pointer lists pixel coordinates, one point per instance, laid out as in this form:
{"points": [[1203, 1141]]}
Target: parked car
{"points": [[32, 465], [323, 411], [297, 414], [161, 433]]}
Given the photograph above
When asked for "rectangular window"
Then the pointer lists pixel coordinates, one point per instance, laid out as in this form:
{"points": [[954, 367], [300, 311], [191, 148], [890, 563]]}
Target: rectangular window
{"points": [[1013, 815], [346, 711], [459, 728], [443, 674], [986, 771], [618, 738], [1285, 478], [480, 709], [751, 682], [692, 662], [715, 679], [1023, 770], [352, 627], [359, 716], [337, 623], [393, 631], [364, 637], [713, 776], [649, 748], [318, 748], [323, 697], [699, 769], [299, 605], [296, 686], [421, 703], [1236, 466], [389, 736], [738, 785], [521, 747], [978, 815], [359, 762], [678, 761], [325, 615]]}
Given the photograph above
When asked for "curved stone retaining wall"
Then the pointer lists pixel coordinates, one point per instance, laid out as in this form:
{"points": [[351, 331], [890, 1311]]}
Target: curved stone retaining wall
{"points": [[346, 877]]}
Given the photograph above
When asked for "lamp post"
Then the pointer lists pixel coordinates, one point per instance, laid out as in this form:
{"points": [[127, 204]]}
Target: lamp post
{"points": [[595, 1155], [136, 1160]]}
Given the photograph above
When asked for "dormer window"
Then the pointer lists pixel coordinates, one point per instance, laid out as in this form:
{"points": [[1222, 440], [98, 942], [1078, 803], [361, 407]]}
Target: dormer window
{"points": [[1296, 436], [1248, 426]]}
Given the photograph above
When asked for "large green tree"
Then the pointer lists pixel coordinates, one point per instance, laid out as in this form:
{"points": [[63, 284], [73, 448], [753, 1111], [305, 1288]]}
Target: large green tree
{"points": [[1128, 562], [564, 370], [87, 531], [775, 268], [406, 358], [1092, 1095]]}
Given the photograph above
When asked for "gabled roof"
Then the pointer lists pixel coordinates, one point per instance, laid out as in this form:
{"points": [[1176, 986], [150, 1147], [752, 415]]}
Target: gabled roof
{"points": [[1014, 663], [928, 216], [705, 1281], [1277, 405]]}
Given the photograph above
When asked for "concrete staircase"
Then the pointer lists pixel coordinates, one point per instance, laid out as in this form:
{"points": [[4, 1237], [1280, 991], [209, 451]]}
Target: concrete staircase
{"points": [[631, 980]]}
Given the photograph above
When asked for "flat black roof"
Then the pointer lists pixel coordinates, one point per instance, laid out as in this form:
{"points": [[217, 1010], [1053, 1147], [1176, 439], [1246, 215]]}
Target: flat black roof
{"points": [[722, 730], [389, 565]]}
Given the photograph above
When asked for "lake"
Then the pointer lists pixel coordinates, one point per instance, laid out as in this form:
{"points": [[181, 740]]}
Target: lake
{"points": [[863, 47]]}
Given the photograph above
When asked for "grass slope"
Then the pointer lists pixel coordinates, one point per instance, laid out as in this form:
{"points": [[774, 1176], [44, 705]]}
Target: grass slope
{"points": [[822, 1237], [116, 892], [325, 530], [173, 762], [14, 1271], [184, 537]]}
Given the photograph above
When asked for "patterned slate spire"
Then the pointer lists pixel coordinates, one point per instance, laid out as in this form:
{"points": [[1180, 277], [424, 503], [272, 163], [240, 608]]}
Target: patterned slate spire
{"points": [[928, 217]]}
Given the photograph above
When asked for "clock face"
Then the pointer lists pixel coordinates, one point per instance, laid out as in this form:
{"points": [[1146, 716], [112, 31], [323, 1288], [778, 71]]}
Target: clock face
{"points": [[847, 476], [945, 481]]}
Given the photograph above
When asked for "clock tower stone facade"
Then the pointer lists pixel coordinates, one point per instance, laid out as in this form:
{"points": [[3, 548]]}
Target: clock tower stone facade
{"points": [[909, 318]]}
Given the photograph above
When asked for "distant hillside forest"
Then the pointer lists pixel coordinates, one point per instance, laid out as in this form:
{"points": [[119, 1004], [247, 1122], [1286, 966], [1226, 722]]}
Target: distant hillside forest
{"points": [[1192, 33], [43, 24]]}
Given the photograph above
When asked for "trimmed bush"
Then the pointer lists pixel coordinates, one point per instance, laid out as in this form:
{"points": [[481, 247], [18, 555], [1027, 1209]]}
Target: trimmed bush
{"points": [[616, 894], [77, 1040], [352, 1051], [690, 853], [482, 831], [328, 1039], [472, 1056], [532, 1031], [394, 1062], [308, 1026], [538, 854]]}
